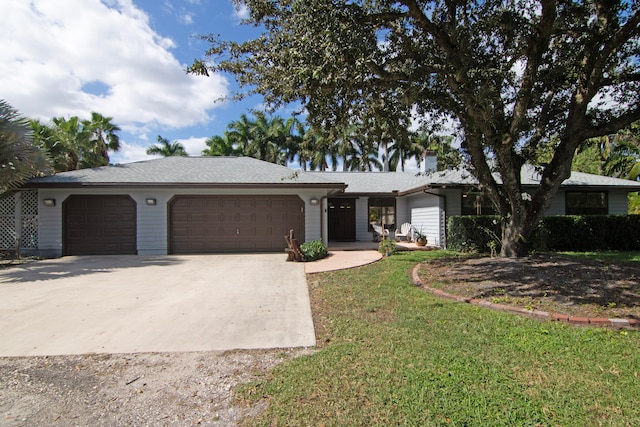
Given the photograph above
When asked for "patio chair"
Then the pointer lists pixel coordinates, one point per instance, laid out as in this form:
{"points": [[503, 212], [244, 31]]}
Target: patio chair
{"points": [[404, 231], [378, 233]]}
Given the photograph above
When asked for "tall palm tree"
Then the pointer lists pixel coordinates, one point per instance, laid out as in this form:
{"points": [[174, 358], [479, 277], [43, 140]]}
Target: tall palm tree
{"points": [[289, 134], [241, 133], [346, 142], [318, 149], [365, 158], [63, 156], [101, 137], [70, 139], [221, 146], [266, 139], [166, 148], [20, 159]]}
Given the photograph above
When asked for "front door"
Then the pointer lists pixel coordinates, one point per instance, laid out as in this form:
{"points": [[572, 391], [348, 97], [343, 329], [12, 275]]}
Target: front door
{"points": [[342, 220]]}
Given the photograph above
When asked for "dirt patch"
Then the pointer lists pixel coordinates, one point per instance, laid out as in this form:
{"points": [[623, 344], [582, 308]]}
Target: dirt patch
{"points": [[576, 287], [167, 389]]}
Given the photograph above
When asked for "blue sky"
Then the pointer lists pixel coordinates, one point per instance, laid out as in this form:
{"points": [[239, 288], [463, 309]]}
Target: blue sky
{"points": [[124, 59]]}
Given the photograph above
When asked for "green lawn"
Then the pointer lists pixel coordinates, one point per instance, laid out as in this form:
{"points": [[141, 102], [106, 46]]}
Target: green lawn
{"points": [[392, 354]]}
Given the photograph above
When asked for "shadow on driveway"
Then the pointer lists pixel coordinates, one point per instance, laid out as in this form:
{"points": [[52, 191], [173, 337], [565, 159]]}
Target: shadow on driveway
{"points": [[126, 304], [74, 266]]}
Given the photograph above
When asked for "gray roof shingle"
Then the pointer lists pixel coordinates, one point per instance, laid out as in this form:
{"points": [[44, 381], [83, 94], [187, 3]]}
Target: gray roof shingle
{"points": [[247, 171], [531, 177], [187, 171], [376, 182]]}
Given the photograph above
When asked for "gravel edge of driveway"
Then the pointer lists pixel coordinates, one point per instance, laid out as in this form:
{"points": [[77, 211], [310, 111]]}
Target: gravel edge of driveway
{"points": [[141, 389]]}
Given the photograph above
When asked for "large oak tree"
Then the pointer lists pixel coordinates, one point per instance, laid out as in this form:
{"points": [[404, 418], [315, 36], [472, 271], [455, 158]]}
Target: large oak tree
{"points": [[511, 73]]}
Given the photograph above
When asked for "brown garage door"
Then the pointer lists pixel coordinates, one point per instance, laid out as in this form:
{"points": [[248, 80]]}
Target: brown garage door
{"points": [[99, 225], [205, 224]]}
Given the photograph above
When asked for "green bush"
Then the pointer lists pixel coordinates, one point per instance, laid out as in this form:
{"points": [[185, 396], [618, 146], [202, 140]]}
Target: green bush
{"points": [[314, 250], [555, 233], [387, 247], [473, 233]]}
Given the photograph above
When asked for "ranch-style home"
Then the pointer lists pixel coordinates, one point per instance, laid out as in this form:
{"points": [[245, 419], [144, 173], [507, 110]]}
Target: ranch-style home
{"points": [[191, 205]]}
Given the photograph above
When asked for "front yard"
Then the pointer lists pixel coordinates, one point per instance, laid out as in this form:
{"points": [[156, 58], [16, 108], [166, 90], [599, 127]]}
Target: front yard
{"points": [[392, 354], [575, 285]]}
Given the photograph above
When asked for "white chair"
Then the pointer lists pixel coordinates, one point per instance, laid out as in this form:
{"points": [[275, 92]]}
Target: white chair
{"points": [[404, 231], [378, 232]]}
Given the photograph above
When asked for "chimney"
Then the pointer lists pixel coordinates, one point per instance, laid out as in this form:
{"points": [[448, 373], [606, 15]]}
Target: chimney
{"points": [[430, 161]]}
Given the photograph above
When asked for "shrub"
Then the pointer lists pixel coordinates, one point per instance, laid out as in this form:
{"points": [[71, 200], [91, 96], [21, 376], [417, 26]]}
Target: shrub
{"points": [[387, 247], [555, 233], [314, 250], [473, 233]]}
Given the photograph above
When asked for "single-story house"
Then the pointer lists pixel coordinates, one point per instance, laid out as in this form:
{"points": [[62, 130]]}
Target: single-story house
{"points": [[180, 205]]}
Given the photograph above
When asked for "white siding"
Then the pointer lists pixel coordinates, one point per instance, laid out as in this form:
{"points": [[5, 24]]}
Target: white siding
{"points": [[403, 214], [426, 215], [618, 203], [152, 227], [362, 219], [557, 205]]}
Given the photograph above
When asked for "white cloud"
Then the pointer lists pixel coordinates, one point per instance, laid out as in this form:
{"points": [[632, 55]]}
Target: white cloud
{"points": [[186, 18], [241, 11], [130, 153], [52, 50], [193, 146]]}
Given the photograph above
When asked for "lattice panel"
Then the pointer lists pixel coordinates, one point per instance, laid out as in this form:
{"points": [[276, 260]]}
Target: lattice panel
{"points": [[29, 232], [8, 222]]}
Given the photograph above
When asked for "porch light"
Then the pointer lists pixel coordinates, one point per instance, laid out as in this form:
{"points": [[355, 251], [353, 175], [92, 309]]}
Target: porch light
{"points": [[49, 202], [151, 201], [314, 201]]}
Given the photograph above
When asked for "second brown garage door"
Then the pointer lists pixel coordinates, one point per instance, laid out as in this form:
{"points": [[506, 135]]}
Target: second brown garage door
{"points": [[206, 224]]}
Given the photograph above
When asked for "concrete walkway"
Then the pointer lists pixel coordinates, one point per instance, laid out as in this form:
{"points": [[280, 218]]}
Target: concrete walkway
{"points": [[344, 255], [124, 304]]}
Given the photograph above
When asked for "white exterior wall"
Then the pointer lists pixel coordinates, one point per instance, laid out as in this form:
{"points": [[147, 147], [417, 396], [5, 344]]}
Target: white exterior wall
{"points": [[618, 203], [362, 219], [403, 213], [152, 221], [426, 215], [557, 205]]}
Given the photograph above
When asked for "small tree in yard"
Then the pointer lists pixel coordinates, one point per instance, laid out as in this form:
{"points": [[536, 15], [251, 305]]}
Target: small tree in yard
{"points": [[511, 74]]}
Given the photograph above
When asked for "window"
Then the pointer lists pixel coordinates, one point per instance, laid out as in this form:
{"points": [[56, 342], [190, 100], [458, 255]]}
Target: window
{"points": [[586, 203], [382, 210], [474, 203]]}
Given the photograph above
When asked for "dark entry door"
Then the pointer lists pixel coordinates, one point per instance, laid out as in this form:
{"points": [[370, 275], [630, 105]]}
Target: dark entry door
{"points": [[342, 220]]}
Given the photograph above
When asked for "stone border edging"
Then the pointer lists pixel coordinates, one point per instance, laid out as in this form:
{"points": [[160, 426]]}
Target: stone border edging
{"points": [[542, 315]]}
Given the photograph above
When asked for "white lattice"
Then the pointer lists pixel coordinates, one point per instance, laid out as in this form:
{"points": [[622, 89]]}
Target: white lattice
{"points": [[8, 222], [29, 220]]}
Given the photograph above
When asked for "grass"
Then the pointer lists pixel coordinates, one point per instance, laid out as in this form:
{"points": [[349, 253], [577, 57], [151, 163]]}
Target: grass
{"points": [[613, 256], [391, 354]]}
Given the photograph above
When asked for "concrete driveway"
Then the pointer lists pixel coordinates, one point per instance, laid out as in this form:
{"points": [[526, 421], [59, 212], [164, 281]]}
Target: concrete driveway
{"points": [[124, 304]]}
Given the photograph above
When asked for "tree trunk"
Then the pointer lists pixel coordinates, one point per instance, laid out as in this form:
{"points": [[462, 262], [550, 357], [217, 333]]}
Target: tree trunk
{"points": [[515, 237]]}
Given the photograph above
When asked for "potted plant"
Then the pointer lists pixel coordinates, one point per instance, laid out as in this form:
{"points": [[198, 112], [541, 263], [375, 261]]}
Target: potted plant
{"points": [[419, 237]]}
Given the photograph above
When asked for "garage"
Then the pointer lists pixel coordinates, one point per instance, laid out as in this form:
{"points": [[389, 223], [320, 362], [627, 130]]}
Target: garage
{"points": [[210, 224], [99, 225]]}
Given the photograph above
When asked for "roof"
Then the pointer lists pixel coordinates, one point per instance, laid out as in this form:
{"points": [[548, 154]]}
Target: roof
{"points": [[192, 171], [250, 172], [530, 177], [376, 182]]}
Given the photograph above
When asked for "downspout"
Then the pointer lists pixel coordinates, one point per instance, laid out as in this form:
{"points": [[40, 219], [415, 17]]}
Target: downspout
{"points": [[444, 198]]}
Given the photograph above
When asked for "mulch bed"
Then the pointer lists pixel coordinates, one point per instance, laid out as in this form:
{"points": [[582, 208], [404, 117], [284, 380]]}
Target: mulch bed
{"points": [[552, 283]]}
